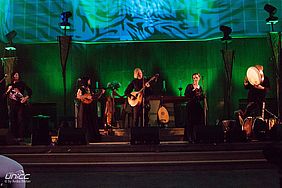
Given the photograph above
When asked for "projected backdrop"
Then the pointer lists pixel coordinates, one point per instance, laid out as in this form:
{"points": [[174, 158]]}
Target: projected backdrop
{"points": [[134, 20]]}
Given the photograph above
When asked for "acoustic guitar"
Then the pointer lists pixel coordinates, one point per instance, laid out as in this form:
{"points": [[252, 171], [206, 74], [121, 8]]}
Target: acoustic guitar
{"points": [[88, 98], [135, 97]]}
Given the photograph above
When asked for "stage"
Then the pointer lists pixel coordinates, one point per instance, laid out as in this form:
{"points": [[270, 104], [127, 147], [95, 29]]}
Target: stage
{"points": [[171, 163]]}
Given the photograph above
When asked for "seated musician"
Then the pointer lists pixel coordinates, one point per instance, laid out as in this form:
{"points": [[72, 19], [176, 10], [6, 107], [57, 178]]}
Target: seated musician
{"points": [[136, 85], [256, 96], [87, 116]]}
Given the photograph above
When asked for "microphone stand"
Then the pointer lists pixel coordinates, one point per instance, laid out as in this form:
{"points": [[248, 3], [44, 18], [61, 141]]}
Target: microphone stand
{"points": [[143, 102], [113, 107]]}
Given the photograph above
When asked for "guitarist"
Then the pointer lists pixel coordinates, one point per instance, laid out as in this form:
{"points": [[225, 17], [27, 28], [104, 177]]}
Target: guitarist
{"points": [[87, 116], [136, 85], [18, 94]]}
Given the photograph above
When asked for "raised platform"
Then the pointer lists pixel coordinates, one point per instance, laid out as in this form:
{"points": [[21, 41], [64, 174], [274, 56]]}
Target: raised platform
{"points": [[168, 164]]}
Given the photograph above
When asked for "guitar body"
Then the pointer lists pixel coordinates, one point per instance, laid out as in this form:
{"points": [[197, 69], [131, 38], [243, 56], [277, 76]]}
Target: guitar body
{"points": [[135, 98], [87, 98], [163, 115]]}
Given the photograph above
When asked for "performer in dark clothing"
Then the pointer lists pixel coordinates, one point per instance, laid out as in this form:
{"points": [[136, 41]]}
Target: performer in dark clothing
{"points": [[195, 111], [258, 85], [256, 94], [136, 85], [87, 116], [18, 94]]}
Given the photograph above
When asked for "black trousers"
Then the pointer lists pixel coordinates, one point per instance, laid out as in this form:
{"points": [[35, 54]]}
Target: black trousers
{"points": [[18, 118]]}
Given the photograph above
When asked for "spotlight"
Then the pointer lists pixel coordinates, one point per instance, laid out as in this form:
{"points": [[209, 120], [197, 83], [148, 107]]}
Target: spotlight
{"points": [[226, 32], [65, 25], [271, 10], [10, 36]]}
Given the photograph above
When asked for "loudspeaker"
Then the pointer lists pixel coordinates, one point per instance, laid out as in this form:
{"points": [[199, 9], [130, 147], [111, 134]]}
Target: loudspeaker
{"points": [[145, 135], [40, 130], [236, 135], [211, 134], [6, 137], [275, 133], [71, 136]]}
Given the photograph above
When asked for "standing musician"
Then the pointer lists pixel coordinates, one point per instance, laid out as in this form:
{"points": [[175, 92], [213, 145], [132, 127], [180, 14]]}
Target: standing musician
{"points": [[139, 84], [18, 95], [87, 116], [195, 110], [258, 85], [256, 94]]}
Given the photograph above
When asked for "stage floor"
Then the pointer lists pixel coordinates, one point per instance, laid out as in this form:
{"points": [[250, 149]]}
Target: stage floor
{"points": [[172, 163]]}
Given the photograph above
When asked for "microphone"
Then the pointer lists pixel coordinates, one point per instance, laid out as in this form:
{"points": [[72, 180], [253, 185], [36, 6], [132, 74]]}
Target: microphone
{"points": [[5, 76], [156, 76]]}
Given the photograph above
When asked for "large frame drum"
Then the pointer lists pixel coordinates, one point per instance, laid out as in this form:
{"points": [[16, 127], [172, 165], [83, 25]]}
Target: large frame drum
{"points": [[255, 77]]}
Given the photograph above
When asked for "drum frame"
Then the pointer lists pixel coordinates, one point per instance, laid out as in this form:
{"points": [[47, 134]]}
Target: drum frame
{"points": [[259, 75], [249, 127]]}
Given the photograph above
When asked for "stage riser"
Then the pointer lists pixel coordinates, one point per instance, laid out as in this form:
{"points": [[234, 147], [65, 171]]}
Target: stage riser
{"points": [[139, 157]]}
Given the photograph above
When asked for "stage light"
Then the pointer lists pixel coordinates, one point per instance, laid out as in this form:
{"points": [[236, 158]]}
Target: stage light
{"points": [[10, 36], [271, 10], [65, 25], [226, 32]]}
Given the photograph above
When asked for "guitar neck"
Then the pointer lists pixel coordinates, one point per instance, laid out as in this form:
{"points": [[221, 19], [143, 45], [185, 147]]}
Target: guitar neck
{"points": [[151, 79]]}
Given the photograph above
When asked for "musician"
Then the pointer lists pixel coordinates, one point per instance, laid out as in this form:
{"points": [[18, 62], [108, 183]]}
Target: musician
{"points": [[195, 110], [256, 94], [136, 85], [87, 116], [18, 93]]}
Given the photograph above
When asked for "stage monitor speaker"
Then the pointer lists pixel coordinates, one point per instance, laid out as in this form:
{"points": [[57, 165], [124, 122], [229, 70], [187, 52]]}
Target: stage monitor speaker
{"points": [[40, 130], [6, 137], [275, 133], [71, 136], [232, 131], [211, 134], [145, 135]]}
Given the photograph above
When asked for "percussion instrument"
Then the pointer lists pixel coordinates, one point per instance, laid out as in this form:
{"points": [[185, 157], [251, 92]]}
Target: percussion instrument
{"points": [[228, 125], [255, 77], [255, 127], [260, 128], [272, 122], [248, 126]]}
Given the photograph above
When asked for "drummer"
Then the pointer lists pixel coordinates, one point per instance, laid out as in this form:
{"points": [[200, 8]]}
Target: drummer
{"points": [[256, 94]]}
